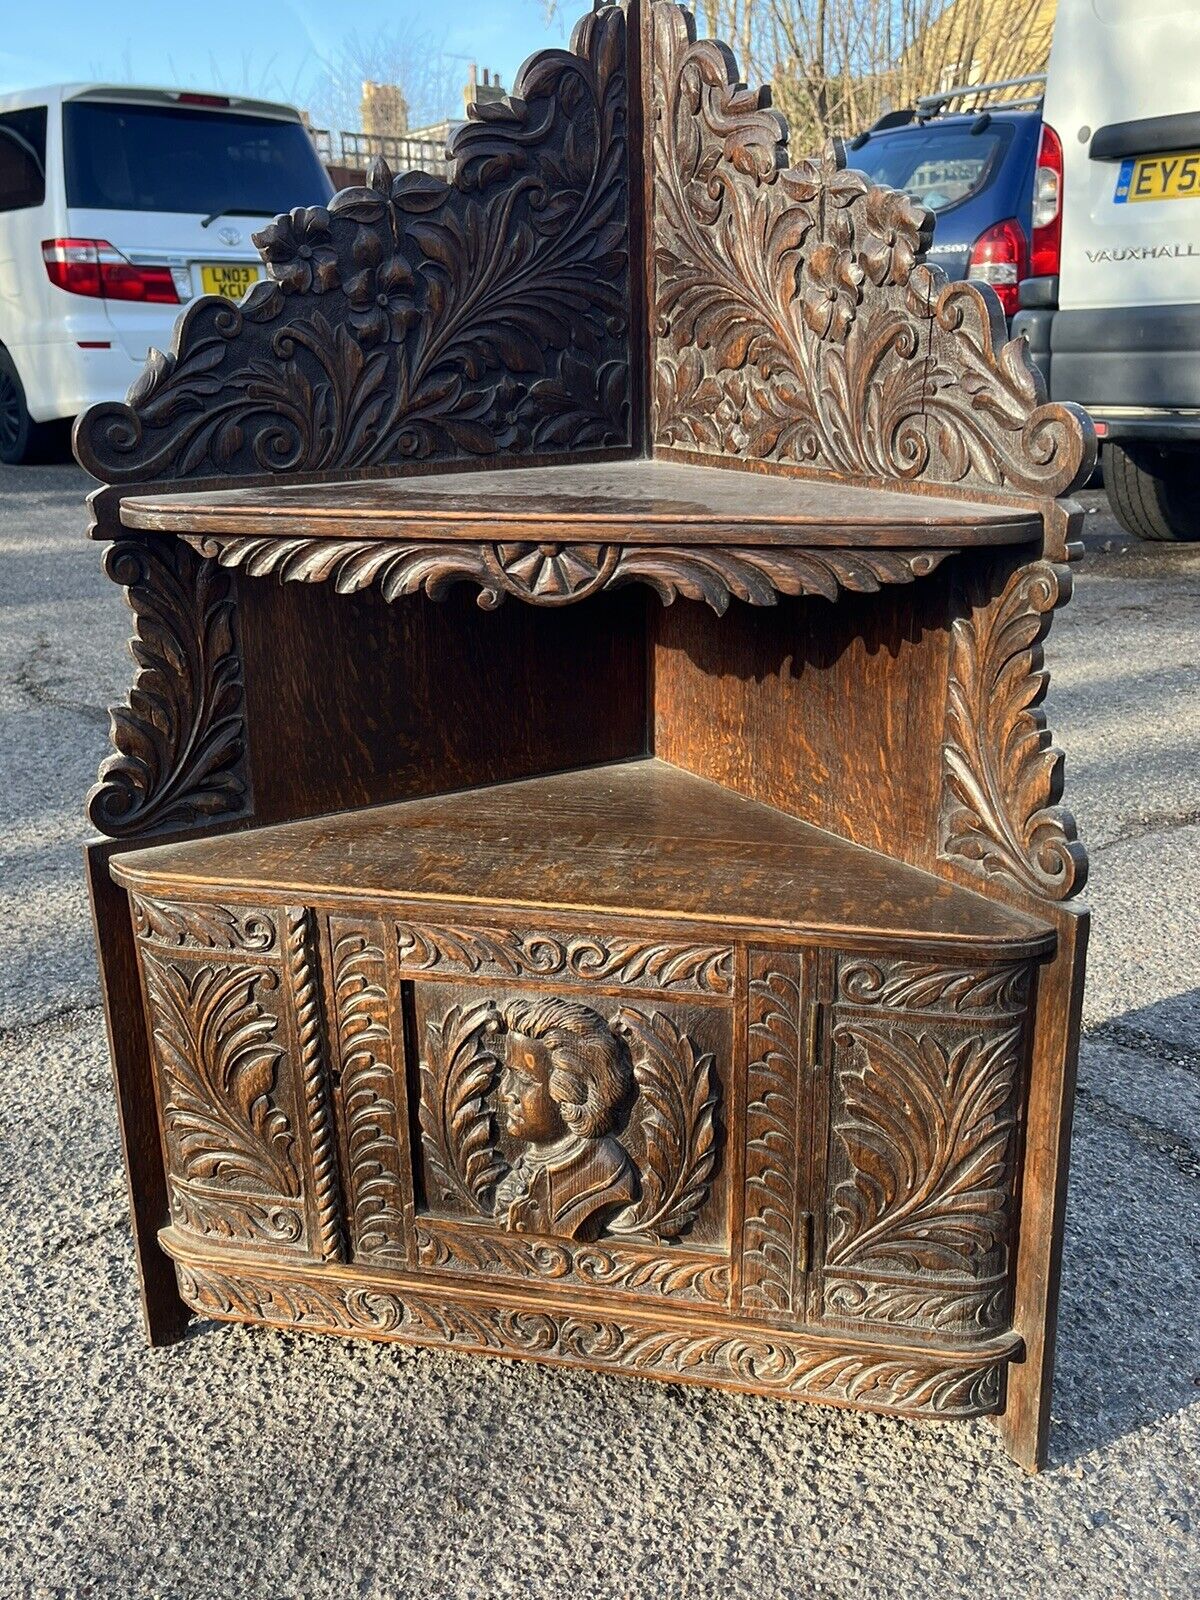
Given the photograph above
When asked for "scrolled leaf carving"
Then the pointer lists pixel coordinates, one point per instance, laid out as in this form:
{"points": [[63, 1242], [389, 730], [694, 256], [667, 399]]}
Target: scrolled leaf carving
{"points": [[796, 319], [458, 1073], [559, 574], [677, 1104], [1001, 776], [416, 318], [180, 742]]}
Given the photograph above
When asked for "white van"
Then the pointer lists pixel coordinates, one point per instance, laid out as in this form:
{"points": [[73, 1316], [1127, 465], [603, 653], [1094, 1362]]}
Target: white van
{"points": [[117, 206], [1113, 311]]}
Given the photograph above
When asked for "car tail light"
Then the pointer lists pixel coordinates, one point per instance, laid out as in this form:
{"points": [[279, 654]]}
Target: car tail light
{"points": [[94, 267], [1001, 257], [1047, 205]]}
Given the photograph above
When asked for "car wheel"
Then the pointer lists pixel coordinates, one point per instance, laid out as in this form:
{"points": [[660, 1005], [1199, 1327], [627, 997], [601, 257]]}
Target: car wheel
{"points": [[1154, 493], [21, 438]]}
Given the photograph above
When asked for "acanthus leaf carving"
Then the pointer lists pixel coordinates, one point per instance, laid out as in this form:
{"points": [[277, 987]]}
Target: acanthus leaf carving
{"points": [[635, 963], [416, 318], [218, 1057], [928, 1129], [914, 985], [756, 576], [916, 1382], [458, 1073], [1001, 776], [678, 1097], [192, 925], [796, 318], [370, 1086], [180, 742]]}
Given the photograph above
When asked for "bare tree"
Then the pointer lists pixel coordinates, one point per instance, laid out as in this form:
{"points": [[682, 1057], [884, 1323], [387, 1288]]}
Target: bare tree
{"points": [[836, 65], [403, 54]]}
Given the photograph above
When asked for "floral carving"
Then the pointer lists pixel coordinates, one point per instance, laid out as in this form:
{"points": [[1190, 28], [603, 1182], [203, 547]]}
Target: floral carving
{"points": [[633, 963], [458, 1074], [418, 318], [180, 742], [923, 1382], [766, 337], [1001, 777], [536, 574]]}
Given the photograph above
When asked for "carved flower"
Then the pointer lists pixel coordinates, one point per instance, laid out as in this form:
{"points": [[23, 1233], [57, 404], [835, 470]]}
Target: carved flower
{"points": [[896, 224], [299, 250], [381, 303], [831, 287]]}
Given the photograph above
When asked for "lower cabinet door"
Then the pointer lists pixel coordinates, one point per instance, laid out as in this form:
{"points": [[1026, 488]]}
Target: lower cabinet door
{"points": [[925, 1085]]}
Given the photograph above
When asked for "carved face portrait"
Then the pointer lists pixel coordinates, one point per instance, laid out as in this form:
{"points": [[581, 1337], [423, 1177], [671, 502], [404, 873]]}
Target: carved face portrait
{"points": [[564, 1071]]}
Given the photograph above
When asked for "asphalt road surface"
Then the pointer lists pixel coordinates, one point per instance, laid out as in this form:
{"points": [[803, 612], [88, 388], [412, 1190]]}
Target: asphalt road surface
{"points": [[252, 1463]]}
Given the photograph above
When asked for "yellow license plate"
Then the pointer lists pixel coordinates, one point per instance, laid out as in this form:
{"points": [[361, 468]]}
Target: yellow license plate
{"points": [[230, 279], [1174, 177]]}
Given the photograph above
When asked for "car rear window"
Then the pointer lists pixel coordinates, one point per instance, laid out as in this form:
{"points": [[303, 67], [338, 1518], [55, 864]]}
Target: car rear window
{"points": [[22, 158], [161, 158], [938, 165]]}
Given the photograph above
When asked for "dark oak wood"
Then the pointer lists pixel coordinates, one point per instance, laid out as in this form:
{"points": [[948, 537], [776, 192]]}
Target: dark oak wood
{"points": [[647, 502], [640, 837], [676, 970]]}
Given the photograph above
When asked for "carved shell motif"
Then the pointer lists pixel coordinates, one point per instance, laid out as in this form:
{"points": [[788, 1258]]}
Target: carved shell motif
{"points": [[796, 319]]}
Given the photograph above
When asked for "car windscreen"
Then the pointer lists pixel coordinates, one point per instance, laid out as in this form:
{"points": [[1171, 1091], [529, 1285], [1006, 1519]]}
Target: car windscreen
{"points": [[127, 157], [938, 165]]}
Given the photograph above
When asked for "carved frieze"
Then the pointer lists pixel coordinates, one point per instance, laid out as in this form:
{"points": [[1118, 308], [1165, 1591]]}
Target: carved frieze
{"points": [[586, 958], [193, 925], [419, 318], [706, 573], [371, 1086], [916, 1382], [180, 742], [796, 319], [1001, 776], [553, 1120], [619, 1265], [902, 984]]}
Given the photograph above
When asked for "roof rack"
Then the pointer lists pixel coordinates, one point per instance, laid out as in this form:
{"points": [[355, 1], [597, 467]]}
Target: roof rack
{"points": [[930, 105]]}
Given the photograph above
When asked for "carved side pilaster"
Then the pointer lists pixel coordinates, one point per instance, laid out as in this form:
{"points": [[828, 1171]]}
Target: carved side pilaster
{"points": [[374, 1113], [180, 741], [313, 1067], [774, 1241], [1001, 775]]}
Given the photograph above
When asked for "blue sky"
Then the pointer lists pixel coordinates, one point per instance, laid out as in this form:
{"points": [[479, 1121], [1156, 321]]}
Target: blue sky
{"points": [[269, 47]]}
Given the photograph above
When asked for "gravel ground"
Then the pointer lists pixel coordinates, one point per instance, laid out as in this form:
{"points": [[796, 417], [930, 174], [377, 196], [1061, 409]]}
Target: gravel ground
{"points": [[255, 1462]]}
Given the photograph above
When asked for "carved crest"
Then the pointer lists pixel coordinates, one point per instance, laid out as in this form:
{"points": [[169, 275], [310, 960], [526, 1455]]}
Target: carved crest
{"points": [[795, 318], [419, 318]]}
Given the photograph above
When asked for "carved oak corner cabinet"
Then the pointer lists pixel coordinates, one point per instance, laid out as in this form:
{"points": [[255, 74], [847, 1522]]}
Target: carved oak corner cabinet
{"points": [[657, 956]]}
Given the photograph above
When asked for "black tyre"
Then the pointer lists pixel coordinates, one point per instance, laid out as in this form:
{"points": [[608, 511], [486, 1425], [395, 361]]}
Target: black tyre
{"points": [[1154, 493], [21, 438]]}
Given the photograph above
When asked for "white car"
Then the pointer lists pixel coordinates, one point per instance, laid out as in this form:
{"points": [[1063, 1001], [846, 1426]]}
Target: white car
{"points": [[1112, 310], [119, 205]]}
